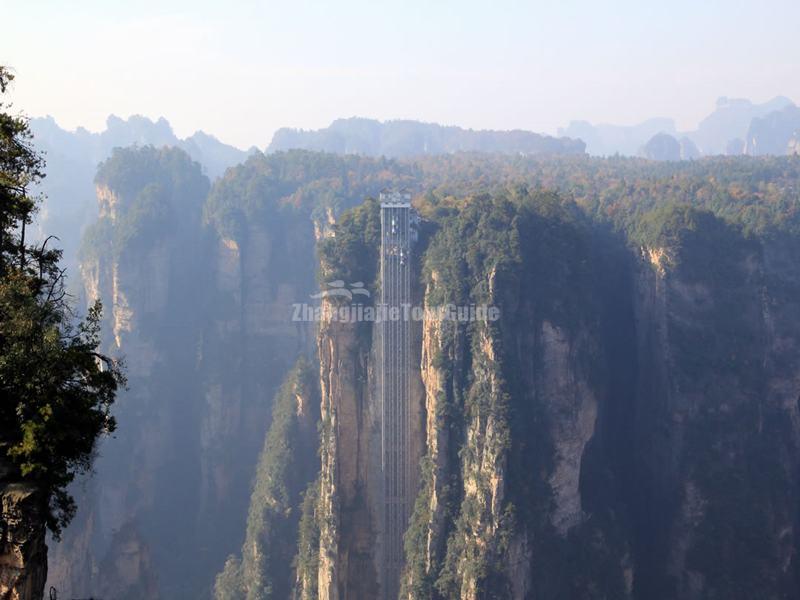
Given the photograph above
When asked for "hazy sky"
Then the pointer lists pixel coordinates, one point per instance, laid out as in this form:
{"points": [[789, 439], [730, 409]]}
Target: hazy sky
{"points": [[241, 69]]}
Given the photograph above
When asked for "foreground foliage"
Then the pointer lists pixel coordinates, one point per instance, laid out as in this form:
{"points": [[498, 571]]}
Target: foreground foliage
{"points": [[56, 390]]}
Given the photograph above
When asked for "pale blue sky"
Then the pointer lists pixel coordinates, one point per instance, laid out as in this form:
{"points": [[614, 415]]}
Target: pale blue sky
{"points": [[241, 69]]}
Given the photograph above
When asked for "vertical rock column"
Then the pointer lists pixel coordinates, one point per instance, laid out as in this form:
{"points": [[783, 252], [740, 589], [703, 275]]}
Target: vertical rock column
{"points": [[349, 477]]}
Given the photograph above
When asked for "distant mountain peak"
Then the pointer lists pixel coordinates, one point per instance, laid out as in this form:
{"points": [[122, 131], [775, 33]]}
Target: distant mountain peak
{"points": [[728, 122], [214, 155]]}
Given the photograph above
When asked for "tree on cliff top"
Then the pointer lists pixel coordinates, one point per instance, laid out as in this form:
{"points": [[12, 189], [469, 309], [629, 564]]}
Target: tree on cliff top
{"points": [[56, 390]]}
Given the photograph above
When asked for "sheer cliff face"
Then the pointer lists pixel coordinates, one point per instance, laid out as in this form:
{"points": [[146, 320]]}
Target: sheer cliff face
{"points": [[248, 344], [142, 257], [717, 417], [512, 410], [204, 320], [349, 502], [350, 475], [288, 463], [517, 460]]}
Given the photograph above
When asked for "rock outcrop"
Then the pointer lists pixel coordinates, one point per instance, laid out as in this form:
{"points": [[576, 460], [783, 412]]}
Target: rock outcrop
{"points": [[23, 551]]}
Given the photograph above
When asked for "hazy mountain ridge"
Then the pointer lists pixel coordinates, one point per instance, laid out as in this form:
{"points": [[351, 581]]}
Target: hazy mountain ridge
{"points": [[723, 131], [731, 120], [405, 138], [608, 139], [215, 156], [735, 127]]}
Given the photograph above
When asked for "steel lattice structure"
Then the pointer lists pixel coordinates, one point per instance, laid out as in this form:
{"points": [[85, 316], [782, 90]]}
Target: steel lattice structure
{"points": [[394, 378]]}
